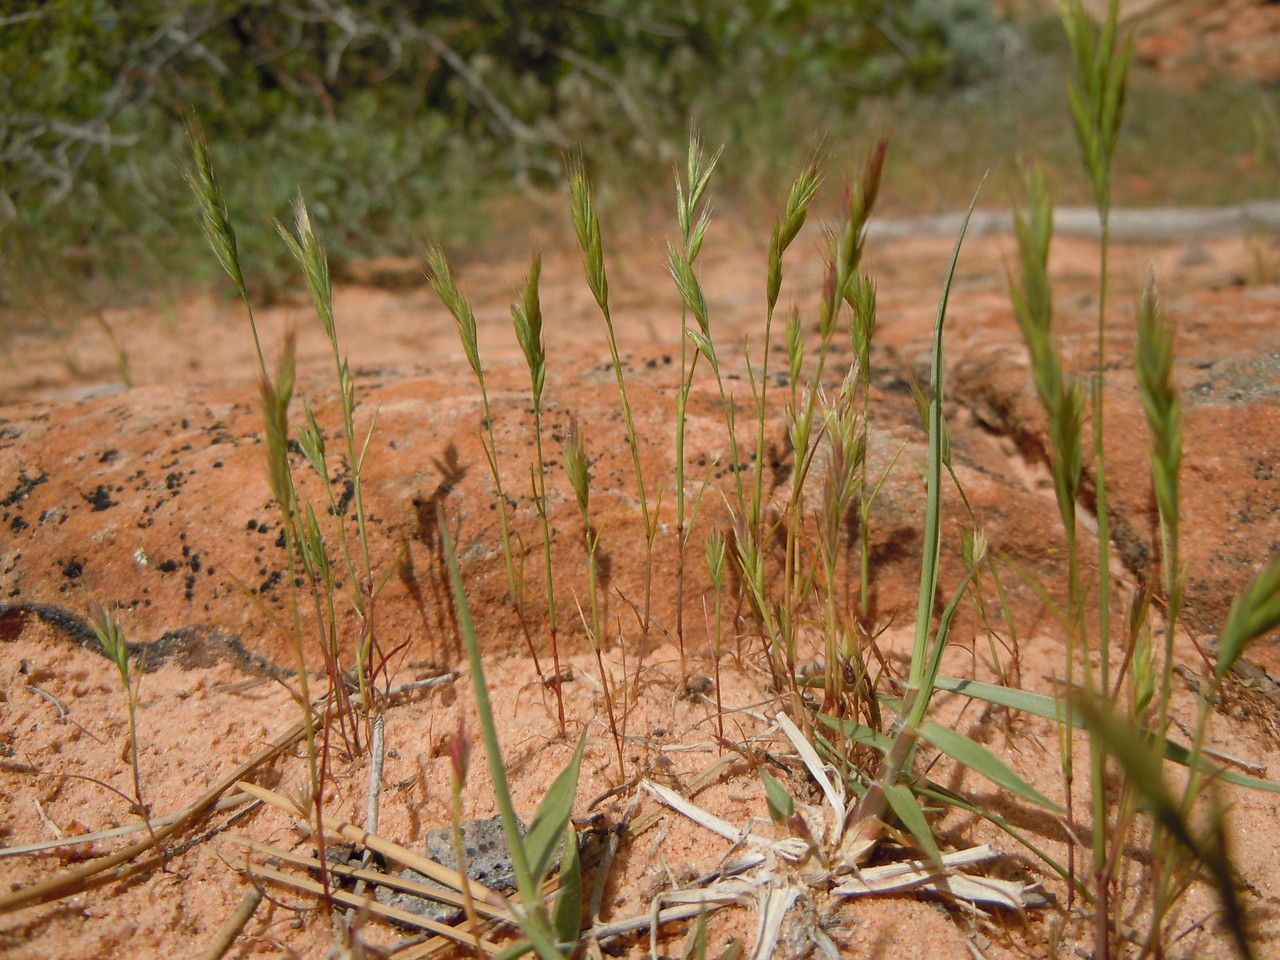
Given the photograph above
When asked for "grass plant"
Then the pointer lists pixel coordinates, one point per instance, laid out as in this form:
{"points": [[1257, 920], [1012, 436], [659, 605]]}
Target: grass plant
{"points": [[1100, 56], [586, 225], [526, 317], [309, 252], [442, 281], [276, 394], [694, 219], [576, 468], [111, 638]]}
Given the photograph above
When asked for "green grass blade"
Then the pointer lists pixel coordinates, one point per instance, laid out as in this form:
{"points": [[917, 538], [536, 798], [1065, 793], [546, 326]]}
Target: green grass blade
{"points": [[549, 822], [1141, 762], [781, 804], [566, 921], [978, 758], [907, 809], [1255, 612], [1039, 705], [857, 732], [514, 950], [933, 508], [489, 730], [532, 920]]}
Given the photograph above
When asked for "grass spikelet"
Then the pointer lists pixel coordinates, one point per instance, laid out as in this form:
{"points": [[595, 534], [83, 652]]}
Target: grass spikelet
{"points": [[1154, 361], [1255, 613], [1032, 299], [587, 226], [215, 222], [1101, 62], [575, 465], [440, 274], [310, 254]]}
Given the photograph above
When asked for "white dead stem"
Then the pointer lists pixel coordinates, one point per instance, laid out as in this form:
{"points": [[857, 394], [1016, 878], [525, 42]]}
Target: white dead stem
{"points": [[40, 846], [695, 813], [712, 898], [816, 769], [776, 900], [922, 875]]}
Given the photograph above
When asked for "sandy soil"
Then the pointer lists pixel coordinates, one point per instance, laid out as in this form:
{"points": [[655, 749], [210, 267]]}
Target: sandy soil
{"points": [[63, 729]]}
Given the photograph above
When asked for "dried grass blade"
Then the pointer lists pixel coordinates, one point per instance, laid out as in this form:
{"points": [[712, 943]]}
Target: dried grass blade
{"points": [[42, 846], [917, 874], [814, 763], [776, 901], [694, 812], [64, 884]]}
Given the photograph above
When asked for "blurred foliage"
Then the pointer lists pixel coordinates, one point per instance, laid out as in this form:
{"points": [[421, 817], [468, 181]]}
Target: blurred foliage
{"points": [[400, 118]]}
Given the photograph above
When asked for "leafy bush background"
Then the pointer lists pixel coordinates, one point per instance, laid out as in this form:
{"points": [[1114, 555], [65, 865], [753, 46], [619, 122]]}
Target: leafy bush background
{"points": [[401, 118]]}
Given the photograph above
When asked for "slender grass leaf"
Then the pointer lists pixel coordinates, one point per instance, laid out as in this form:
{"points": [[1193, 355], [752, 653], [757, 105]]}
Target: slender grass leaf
{"points": [[533, 921], [907, 809], [549, 822], [1141, 761], [1039, 705], [698, 946], [513, 950], [781, 804], [933, 505], [567, 919], [857, 732], [978, 758]]}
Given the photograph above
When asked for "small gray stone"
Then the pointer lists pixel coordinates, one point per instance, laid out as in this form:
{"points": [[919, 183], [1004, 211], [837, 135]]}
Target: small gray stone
{"points": [[488, 860]]}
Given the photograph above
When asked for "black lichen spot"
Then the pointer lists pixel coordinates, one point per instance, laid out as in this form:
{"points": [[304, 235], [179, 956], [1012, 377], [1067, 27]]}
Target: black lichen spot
{"points": [[73, 570], [22, 488], [100, 499], [17, 524], [108, 456], [344, 501], [168, 566], [270, 583]]}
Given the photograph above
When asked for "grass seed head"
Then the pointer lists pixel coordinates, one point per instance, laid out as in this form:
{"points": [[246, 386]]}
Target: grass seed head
{"points": [[526, 317], [276, 395], [1097, 93], [587, 226], [795, 345], [307, 249], [1160, 403], [112, 640], [715, 553], [215, 220], [575, 465], [440, 275], [1255, 613]]}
